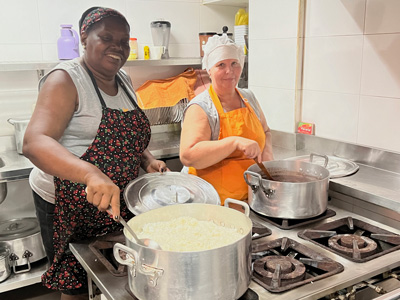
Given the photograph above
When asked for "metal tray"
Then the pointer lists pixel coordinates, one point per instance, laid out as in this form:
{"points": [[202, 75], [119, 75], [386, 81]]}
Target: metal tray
{"points": [[154, 190], [337, 167]]}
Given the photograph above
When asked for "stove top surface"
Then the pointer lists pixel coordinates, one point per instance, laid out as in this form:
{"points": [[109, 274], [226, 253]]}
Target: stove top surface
{"points": [[112, 287], [295, 223], [354, 239], [284, 264]]}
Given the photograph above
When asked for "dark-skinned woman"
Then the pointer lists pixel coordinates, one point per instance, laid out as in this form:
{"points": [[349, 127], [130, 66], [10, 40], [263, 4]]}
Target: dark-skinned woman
{"points": [[87, 139]]}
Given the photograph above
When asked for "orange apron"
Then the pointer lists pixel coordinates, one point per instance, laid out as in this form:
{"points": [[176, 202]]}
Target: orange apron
{"points": [[227, 175]]}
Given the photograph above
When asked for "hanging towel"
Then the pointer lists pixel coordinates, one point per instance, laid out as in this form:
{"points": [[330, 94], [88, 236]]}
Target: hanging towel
{"points": [[167, 92]]}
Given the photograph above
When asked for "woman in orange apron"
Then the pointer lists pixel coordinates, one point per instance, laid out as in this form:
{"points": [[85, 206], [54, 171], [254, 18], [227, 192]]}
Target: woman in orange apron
{"points": [[224, 128]]}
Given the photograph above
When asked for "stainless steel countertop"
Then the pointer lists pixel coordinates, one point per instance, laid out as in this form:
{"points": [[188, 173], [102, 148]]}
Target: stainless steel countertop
{"points": [[113, 288], [371, 184], [163, 145], [16, 166]]}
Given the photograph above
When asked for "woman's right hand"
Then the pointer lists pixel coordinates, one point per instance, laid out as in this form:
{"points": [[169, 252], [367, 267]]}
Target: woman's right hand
{"points": [[102, 193], [250, 148]]}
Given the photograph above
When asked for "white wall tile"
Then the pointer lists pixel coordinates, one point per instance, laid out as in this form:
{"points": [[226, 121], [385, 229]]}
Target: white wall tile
{"points": [[333, 64], [278, 107], [272, 63], [17, 81], [20, 52], [184, 18], [18, 104], [381, 65], [214, 17], [333, 17], [382, 16], [379, 122], [20, 22], [54, 13], [335, 115], [273, 19]]}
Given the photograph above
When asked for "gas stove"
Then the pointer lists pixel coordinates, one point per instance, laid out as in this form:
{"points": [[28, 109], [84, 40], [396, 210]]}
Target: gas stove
{"points": [[285, 266]]}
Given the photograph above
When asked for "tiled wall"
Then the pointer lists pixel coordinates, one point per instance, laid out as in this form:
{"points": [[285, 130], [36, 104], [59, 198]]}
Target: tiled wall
{"points": [[351, 83], [30, 29]]}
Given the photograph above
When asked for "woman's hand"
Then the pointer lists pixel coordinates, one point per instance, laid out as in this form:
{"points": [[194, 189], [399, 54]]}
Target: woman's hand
{"points": [[103, 193], [151, 165], [156, 166], [249, 147]]}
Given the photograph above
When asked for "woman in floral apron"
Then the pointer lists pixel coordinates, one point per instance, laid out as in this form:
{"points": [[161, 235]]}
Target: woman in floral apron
{"points": [[87, 139]]}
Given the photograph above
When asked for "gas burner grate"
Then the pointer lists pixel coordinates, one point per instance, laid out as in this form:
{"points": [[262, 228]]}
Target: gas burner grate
{"points": [[353, 239], [284, 264], [102, 247], [287, 224], [259, 231]]}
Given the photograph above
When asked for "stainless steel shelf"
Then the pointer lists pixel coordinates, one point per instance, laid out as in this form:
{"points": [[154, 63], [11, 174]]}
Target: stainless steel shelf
{"points": [[16, 281], [33, 66], [244, 3]]}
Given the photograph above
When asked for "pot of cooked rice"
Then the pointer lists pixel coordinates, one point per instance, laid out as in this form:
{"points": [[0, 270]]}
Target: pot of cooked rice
{"points": [[206, 252]]}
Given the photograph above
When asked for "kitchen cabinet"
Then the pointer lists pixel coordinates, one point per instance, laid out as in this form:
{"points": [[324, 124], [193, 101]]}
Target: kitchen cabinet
{"points": [[227, 2]]}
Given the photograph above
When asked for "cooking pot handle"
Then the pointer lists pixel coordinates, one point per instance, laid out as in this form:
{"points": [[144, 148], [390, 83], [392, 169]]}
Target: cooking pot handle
{"points": [[128, 262], [320, 155], [241, 203], [151, 272], [253, 174], [14, 258]]}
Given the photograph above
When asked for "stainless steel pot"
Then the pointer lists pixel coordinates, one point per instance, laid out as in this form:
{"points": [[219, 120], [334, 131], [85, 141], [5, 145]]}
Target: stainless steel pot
{"points": [[23, 238], [305, 198], [223, 273], [19, 132], [5, 270]]}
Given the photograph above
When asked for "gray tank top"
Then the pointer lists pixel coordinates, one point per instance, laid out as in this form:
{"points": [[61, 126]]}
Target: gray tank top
{"points": [[82, 128]]}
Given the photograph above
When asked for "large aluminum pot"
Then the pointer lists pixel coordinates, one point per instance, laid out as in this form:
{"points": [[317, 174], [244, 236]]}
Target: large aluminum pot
{"points": [[222, 273], [23, 238], [5, 270], [300, 193], [20, 126]]}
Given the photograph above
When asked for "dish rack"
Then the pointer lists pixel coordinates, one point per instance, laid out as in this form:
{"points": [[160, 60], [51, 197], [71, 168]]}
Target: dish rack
{"points": [[166, 115]]}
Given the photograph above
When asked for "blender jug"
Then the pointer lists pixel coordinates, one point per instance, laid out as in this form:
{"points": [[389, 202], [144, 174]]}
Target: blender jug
{"points": [[160, 32]]}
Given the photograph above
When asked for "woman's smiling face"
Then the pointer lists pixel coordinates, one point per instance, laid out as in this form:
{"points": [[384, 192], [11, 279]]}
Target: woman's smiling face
{"points": [[225, 74], [107, 45]]}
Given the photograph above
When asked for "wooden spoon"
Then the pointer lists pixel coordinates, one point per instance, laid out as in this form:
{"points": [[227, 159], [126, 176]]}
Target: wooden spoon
{"points": [[263, 169]]}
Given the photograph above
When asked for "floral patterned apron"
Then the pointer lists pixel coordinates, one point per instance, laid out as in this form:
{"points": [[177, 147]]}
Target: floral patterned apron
{"points": [[117, 151]]}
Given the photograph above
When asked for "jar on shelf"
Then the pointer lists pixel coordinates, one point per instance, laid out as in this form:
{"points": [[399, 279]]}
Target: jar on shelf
{"points": [[133, 54]]}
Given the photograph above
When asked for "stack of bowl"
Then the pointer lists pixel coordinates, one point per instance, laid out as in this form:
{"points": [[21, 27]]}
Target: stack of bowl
{"points": [[240, 31]]}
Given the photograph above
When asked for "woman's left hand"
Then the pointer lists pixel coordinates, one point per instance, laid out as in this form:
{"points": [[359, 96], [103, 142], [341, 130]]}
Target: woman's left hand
{"points": [[157, 166]]}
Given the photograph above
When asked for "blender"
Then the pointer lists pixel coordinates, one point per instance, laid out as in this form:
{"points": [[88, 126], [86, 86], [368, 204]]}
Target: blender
{"points": [[160, 32]]}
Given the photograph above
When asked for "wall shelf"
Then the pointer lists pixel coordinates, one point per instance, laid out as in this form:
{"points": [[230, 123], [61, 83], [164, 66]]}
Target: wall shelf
{"points": [[242, 3], [34, 66]]}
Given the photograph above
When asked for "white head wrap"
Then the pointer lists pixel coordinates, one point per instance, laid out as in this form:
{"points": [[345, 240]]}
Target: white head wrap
{"points": [[220, 47]]}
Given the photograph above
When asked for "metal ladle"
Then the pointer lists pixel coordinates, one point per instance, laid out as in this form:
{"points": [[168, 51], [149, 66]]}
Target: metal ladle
{"points": [[263, 169], [143, 242]]}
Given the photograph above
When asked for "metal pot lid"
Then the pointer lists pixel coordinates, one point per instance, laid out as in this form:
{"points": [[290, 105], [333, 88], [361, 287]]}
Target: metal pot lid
{"points": [[18, 228], [154, 190], [337, 167]]}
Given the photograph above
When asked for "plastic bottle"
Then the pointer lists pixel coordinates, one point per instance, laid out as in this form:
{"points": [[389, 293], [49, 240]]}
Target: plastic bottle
{"points": [[146, 52], [134, 49]]}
